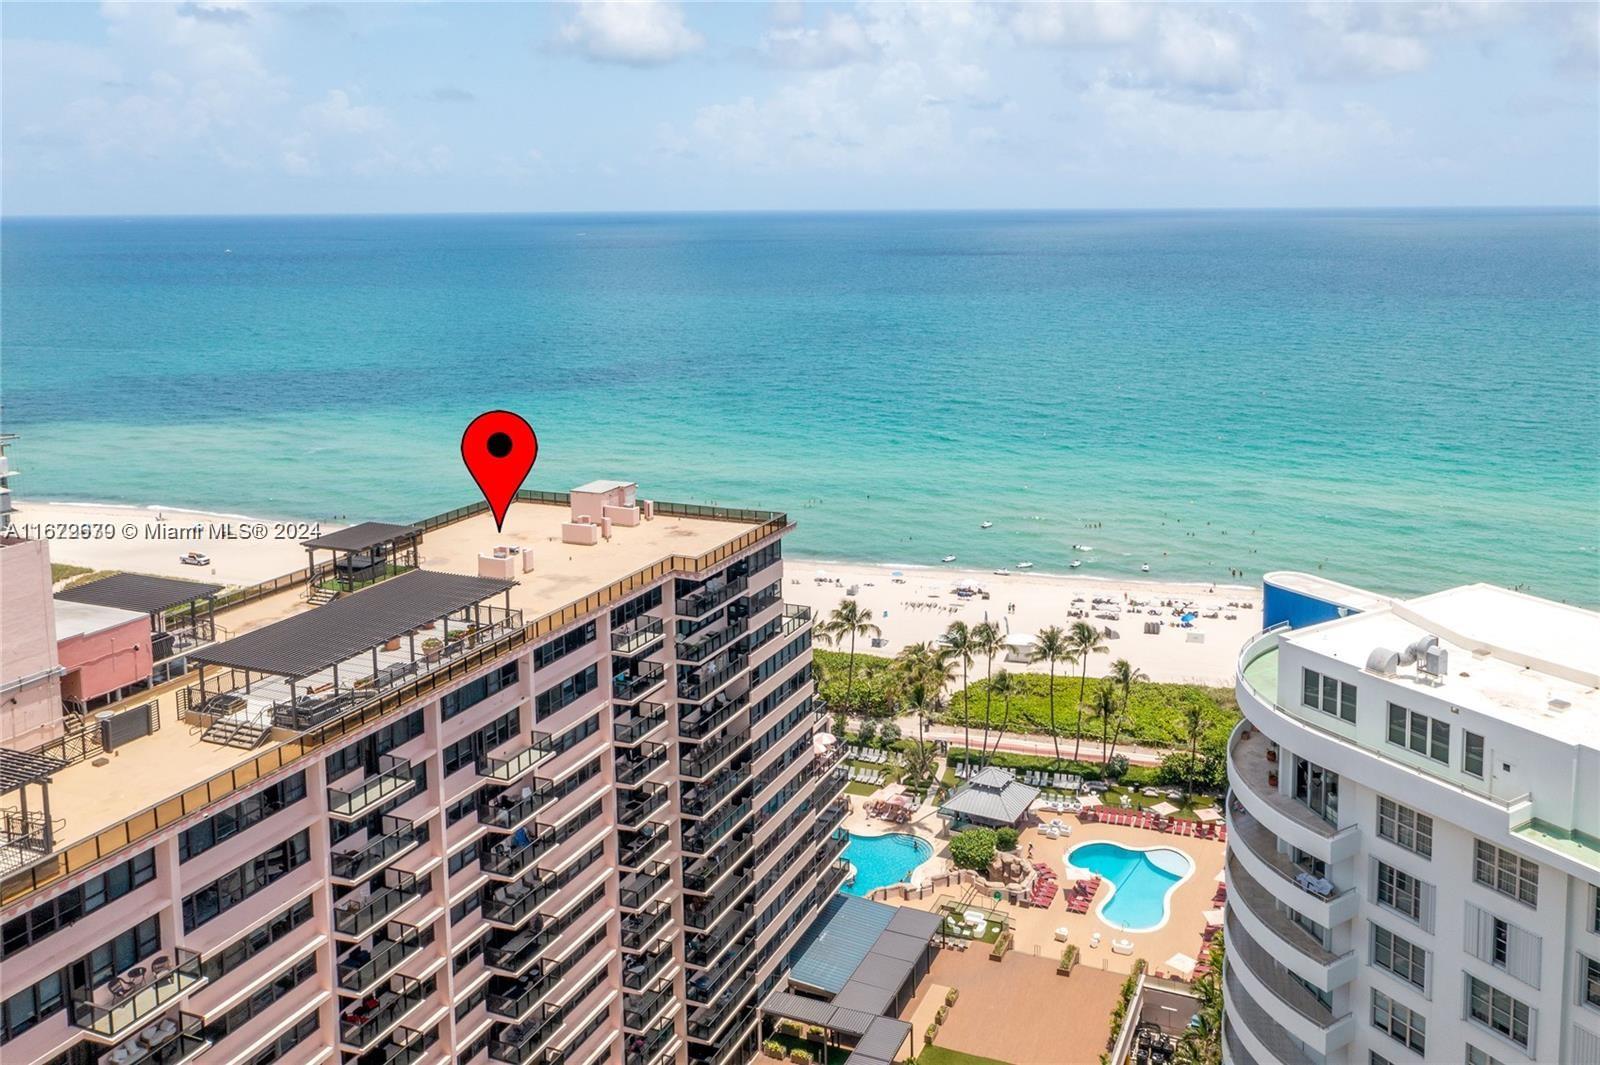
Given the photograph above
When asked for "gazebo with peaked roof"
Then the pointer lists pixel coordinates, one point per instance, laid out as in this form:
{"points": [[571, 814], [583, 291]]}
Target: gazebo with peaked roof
{"points": [[366, 552], [992, 797]]}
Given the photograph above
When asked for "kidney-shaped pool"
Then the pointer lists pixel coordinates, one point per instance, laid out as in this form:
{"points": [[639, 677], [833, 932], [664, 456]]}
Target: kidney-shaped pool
{"points": [[1141, 881]]}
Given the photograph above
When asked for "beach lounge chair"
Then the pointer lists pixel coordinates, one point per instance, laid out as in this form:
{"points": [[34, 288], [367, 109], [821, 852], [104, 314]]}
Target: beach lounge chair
{"points": [[1094, 940], [1122, 946]]}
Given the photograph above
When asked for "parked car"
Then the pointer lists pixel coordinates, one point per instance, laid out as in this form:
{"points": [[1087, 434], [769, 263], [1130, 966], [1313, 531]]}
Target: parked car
{"points": [[195, 558]]}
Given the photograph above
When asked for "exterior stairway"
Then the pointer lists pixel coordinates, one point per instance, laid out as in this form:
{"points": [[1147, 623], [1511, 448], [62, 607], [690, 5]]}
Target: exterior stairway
{"points": [[318, 596], [230, 732]]}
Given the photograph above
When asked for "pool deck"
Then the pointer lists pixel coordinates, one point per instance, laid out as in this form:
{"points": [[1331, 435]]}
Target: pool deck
{"points": [[1035, 928]]}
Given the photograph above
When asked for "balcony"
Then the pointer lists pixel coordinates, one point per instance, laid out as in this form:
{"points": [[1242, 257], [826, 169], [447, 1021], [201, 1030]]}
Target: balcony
{"points": [[509, 768], [705, 985], [636, 848], [642, 720], [631, 685], [1299, 951], [639, 1011], [639, 929], [707, 644], [709, 678], [706, 1022], [355, 915], [641, 970], [640, 888], [392, 779], [701, 799], [176, 1038], [704, 949], [1263, 978], [399, 836], [1256, 851], [511, 856], [403, 1047], [696, 724], [361, 968], [1253, 769], [632, 768], [704, 874], [519, 1044], [1256, 1028], [363, 1023], [634, 805], [708, 759], [111, 1014], [704, 837], [509, 905], [634, 638], [795, 618], [511, 809], [712, 595], [651, 1048]]}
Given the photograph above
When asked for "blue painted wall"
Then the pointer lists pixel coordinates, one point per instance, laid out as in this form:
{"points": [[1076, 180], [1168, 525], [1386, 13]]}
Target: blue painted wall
{"points": [[1280, 605]]}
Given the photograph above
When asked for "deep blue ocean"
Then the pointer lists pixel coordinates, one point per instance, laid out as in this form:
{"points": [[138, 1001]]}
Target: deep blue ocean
{"points": [[1401, 399]]}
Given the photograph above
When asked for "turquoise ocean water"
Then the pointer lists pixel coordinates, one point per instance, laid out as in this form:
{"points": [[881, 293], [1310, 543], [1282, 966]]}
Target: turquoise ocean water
{"points": [[1402, 399]]}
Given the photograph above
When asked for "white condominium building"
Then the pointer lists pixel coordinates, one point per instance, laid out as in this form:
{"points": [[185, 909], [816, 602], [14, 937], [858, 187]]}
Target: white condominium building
{"points": [[1414, 830]]}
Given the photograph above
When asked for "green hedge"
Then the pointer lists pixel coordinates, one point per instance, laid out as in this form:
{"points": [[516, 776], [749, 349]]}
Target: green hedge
{"points": [[1137, 776], [874, 680], [1154, 719]]}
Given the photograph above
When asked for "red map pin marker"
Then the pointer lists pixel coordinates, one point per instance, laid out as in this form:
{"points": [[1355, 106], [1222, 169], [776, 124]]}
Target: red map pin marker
{"points": [[499, 449]]}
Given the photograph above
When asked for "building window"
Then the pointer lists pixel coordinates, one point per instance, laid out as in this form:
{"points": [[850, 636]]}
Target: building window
{"points": [[549, 652], [1498, 1011], [1405, 959], [564, 694], [463, 858], [262, 1000], [465, 751], [31, 1005], [220, 827], [1590, 981], [50, 917], [1318, 788], [1478, 1057], [228, 891], [1419, 733], [470, 695], [256, 941], [461, 808], [1595, 927], [636, 606], [304, 1029], [1403, 1024], [1405, 827], [1506, 872], [1400, 892], [1375, 1058], [1331, 696], [1472, 754]]}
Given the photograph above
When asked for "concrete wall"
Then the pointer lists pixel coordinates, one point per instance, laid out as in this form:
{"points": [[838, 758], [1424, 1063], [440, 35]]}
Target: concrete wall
{"points": [[30, 687], [99, 662]]}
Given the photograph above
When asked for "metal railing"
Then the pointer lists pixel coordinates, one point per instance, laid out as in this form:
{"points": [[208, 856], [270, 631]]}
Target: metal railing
{"points": [[138, 827], [395, 948], [633, 808], [393, 777], [506, 770], [631, 639], [134, 1007], [645, 718], [627, 687], [695, 650], [646, 760], [647, 841], [638, 929], [359, 1027], [400, 835], [700, 602], [707, 684], [639, 888], [399, 890]]}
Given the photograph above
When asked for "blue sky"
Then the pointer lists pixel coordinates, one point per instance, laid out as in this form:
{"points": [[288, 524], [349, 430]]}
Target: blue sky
{"points": [[213, 107]]}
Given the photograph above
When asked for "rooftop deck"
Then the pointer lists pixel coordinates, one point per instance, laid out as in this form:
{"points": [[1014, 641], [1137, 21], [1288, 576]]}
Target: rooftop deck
{"points": [[155, 780]]}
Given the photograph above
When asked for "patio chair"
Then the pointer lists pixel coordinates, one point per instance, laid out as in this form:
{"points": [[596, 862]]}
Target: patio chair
{"points": [[1094, 940]]}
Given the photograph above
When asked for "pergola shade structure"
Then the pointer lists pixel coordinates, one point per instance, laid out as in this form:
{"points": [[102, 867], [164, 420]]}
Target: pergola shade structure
{"points": [[366, 552], [182, 613], [992, 797], [26, 836], [304, 670]]}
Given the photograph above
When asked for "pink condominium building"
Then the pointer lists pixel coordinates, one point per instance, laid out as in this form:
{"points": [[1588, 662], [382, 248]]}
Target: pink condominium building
{"points": [[449, 795]]}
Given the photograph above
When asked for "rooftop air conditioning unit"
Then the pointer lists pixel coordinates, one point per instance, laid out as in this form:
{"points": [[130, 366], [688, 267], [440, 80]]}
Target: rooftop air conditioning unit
{"points": [[1382, 660], [1435, 662]]}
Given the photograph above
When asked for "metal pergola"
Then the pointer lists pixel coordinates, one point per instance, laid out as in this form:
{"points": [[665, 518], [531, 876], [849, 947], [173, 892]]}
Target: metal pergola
{"points": [[366, 552]]}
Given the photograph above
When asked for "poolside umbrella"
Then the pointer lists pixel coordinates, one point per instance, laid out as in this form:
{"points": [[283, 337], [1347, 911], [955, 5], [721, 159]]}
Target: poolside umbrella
{"points": [[1181, 964], [1213, 917], [1163, 809], [1208, 813], [1222, 876]]}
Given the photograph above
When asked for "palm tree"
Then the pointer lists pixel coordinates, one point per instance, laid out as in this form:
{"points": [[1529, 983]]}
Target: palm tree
{"points": [[1105, 704], [958, 643], [987, 641], [1051, 646], [1202, 1043], [1005, 686], [921, 762], [1125, 675], [850, 619], [1195, 720], [1084, 640]]}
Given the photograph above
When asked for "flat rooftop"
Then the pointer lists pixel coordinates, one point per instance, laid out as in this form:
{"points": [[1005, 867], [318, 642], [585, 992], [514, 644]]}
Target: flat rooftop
{"points": [[81, 619], [89, 798], [1529, 661]]}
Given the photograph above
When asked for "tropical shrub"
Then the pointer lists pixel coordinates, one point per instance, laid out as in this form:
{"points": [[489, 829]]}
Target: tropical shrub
{"points": [[1005, 839], [773, 1049], [800, 1056], [973, 848], [1117, 767], [950, 997], [889, 735], [872, 693], [868, 734], [929, 1036], [1154, 717]]}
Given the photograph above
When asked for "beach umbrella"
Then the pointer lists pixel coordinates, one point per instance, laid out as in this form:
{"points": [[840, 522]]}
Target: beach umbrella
{"points": [[1221, 877], [1208, 814], [1213, 917], [1181, 964], [1021, 639], [896, 573], [1163, 809], [822, 574]]}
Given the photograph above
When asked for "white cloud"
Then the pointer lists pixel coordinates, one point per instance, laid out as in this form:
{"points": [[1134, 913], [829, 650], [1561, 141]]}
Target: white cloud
{"points": [[335, 113], [1364, 41], [638, 33], [840, 39], [1099, 22]]}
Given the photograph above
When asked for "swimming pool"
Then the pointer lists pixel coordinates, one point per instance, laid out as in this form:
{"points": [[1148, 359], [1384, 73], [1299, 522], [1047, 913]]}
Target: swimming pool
{"points": [[1141, 881], [883, 860]]}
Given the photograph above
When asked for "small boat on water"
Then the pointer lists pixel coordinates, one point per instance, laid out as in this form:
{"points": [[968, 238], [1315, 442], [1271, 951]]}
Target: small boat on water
{"points": [[1024, 565], [987, 525], [1076, 563], [948, 558], [1002, 573], [1145, 568], [1082, 547]]}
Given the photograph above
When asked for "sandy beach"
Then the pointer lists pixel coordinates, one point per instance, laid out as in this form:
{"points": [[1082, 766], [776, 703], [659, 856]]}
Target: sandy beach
{"points": [[921, 603], [159, 535], [917, 605]]}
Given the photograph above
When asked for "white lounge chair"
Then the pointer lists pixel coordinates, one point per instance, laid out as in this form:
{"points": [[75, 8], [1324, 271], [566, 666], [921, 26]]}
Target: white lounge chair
{"points": [[1094, 940], [1122, 946]]}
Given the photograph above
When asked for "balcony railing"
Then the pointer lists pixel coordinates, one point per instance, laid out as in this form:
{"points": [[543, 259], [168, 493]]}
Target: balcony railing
{"points": [[646, 1050], [640, 846], [123, 1012], [360, 1026], [634, 805], [630, 686], [701, 799], [509, 768], [705, 761], [360, 968], [399, 836], [645, 718], [708, 598], [519, 1044], [639, 929], [704, 949], [510, 858], [515, 956], [703, 837], [706, 985], [640, 970], [634, 638], [355, 916], [698, 723], [403, 1047], [1269, 971], [713, 676], [171, 1042], [392, 778], [646, 760], [692, 650], [511, 809], [704, 874], [640, 1010], [708, 1020], [639, 888]]}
